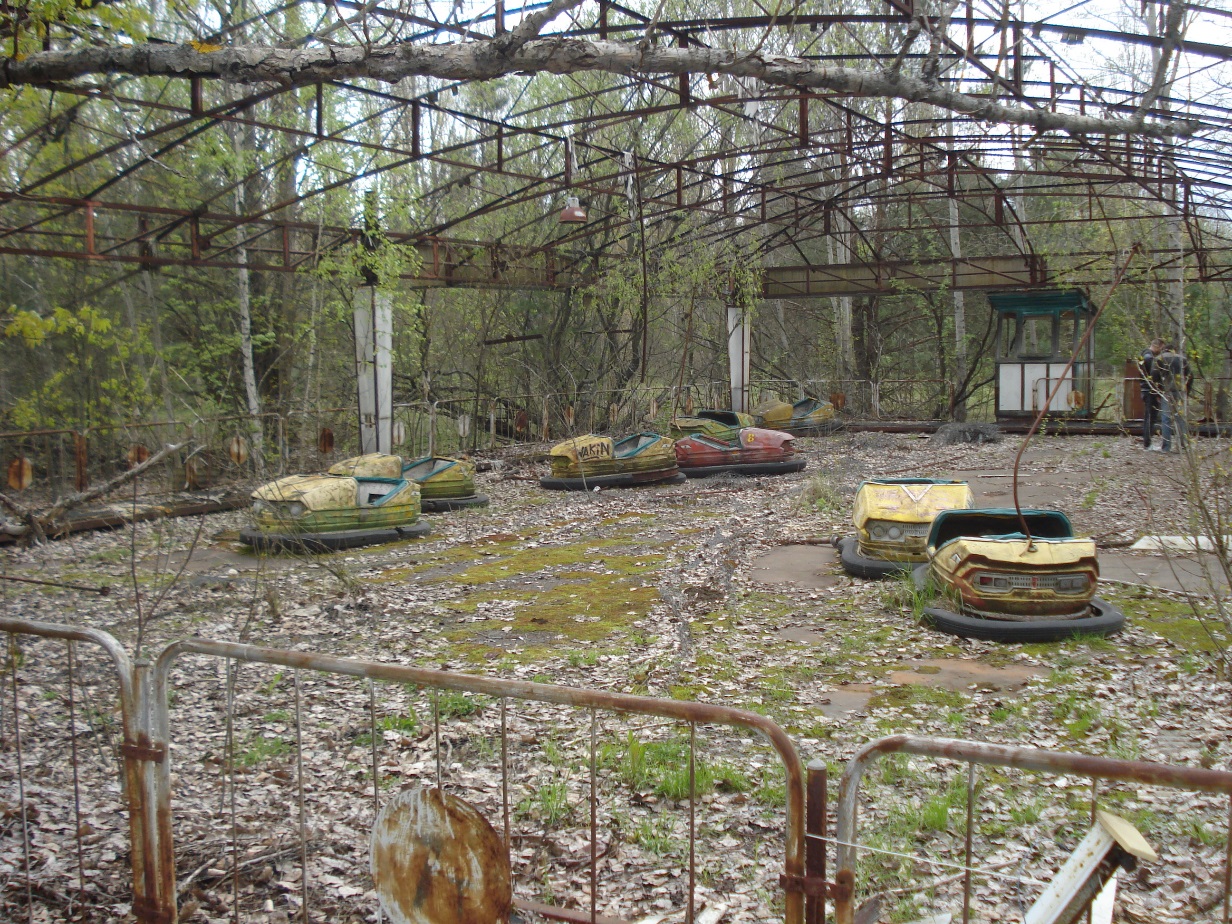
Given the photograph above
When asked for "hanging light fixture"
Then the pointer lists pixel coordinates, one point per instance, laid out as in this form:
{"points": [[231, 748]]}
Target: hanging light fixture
{"points": [[572, 213]]}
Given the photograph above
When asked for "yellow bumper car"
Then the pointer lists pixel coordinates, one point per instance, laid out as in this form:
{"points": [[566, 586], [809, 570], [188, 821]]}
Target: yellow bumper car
{"points": [[892, 517], [1000, 584]]}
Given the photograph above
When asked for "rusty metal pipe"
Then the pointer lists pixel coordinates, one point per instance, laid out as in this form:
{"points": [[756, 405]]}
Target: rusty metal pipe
{"points": [[977, 752], [104, 640]]}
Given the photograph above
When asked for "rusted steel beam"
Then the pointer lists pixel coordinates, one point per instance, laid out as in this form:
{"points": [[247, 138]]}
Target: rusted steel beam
{"points": [[886, 276]]}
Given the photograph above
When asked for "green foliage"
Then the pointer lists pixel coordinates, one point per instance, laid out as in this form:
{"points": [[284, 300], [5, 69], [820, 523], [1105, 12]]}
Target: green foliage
{"points": [[823, 495], [454, 705], [91, 369], [549, 803], [656, 835], [662, 767], [260, 749]]}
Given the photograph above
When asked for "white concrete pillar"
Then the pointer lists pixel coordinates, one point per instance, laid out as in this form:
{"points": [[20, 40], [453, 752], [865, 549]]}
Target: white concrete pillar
{"points": [[373, 368]]}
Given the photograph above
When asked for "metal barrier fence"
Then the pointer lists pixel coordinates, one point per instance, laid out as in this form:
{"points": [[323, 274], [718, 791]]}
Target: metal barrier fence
{"points": [[91, 807], [61, 461], [975, 753], [234, 791], [281, 804]]}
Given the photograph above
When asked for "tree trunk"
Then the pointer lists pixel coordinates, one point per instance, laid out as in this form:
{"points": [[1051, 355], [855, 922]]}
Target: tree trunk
{"points": [[844, 340], [304, 65], [243, 300], [1175, 305]]}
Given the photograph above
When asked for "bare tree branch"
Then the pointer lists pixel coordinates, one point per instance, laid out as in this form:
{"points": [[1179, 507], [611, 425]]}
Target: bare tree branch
{"points": [[530, 26], [936, 36], [913, 32], [1172, 37], [37, 523], [481, 60]]}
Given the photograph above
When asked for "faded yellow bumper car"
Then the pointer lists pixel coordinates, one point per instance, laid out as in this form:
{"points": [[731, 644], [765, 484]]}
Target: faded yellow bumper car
{"points": [[718, 424], [445, 484], [1000, 585], [892, 517], [588, 462], [322, 513], [808, 415]]}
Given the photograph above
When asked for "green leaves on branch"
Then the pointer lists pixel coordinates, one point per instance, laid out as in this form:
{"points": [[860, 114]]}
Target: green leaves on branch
{"points": [[91, 376]]}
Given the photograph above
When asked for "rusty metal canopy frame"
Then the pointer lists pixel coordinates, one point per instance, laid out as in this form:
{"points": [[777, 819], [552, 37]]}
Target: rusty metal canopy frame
{"points": [[487, 182]]}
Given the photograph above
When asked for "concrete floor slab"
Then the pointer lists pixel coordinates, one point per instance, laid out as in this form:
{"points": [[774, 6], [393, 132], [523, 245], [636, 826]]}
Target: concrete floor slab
{"points": [[211, 559], [1186, 573], [960, 674], [802, 565], [852, 698]]}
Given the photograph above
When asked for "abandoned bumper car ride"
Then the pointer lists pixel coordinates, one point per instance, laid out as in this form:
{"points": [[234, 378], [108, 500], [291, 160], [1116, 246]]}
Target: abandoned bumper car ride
{"points": [[1007, 586], [751, 451], [371, 503], [808, 415], [588, 462], [444, 484], [717, 424], [892, 517]]}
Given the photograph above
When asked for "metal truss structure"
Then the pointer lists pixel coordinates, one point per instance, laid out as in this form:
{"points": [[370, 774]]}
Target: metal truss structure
{"points": [[801, 168]]}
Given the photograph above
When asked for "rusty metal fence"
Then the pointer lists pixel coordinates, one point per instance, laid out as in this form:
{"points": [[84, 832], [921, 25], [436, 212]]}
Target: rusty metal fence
{"points": [[42, 464], [237, 797], [258, 772], [966, 866]]}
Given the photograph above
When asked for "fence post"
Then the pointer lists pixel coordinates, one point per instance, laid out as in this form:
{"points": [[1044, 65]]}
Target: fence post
{"points": [[81, 461], [149, 806], [815, 842]]}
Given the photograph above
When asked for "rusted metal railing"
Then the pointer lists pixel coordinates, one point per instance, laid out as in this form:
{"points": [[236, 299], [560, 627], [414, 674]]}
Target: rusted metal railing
{"points": [[973, 753], [692, 713], [144, 699], [145, 690], [152, 860]]}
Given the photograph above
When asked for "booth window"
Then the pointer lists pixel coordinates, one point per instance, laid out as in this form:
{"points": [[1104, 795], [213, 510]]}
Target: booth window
{"points": [[1036, 339]]}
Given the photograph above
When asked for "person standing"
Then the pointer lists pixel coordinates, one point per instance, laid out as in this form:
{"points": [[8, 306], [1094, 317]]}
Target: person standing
{"points": [[1150, 397], [1172, 380]]}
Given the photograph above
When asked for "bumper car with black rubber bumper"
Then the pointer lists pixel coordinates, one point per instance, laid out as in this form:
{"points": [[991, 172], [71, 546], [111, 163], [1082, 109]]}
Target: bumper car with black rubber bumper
{"points": [[588, 462], [753, 451], [324, 513], [892, 517], [998, 583]]}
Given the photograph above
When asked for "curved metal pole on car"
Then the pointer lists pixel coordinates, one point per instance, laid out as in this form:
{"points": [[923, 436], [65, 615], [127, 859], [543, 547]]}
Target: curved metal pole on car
{"points": [[1082, 342]]}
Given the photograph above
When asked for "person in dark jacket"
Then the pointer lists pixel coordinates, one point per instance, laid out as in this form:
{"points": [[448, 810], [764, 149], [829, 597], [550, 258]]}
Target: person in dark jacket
{"points": [[1150, 397], [1171, 378]]}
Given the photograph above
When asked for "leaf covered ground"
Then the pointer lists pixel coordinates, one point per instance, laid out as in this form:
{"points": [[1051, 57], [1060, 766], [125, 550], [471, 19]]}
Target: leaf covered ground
{"points": [[661, 591]]}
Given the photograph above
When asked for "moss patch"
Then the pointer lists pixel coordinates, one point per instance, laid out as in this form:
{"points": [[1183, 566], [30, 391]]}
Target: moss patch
{"points": [[546, 557], [898, 697], [585, 607], [1174, 620]]}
